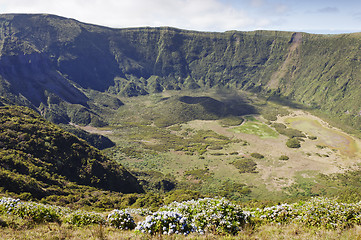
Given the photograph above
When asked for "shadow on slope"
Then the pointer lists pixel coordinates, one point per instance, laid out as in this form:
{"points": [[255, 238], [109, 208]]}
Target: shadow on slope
{"points": [[182, 109]]}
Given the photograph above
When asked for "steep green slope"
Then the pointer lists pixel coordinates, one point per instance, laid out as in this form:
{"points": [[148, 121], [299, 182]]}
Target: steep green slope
{"points": [[96, 140], [40, 158], [48, 62]]}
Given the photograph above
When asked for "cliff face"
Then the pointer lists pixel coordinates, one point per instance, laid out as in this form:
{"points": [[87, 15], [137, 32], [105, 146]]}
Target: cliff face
{"points": [[46, 57]]}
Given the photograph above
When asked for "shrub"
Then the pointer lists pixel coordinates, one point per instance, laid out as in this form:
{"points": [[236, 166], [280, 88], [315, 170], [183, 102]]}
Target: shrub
{"points": [[284, 157], [257, 155], [36, 212], [289, 132], [245, 165], [82, 218], [165, 222], [329, 214], [293, 143], [121, 219], [318, 212], [283, 213], [214, 215]]}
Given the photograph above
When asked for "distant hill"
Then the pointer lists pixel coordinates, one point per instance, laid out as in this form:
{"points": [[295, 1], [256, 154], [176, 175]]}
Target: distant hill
{"points": [[69, 70], [39, 158], [182, 109]]}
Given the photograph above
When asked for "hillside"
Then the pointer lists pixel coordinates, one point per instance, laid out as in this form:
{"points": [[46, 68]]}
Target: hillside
{"points": [[39, 158], [72, 71]]}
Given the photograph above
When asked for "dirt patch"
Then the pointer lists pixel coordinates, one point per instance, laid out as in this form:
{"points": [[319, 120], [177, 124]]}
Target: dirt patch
{"points": [[274, 173]]}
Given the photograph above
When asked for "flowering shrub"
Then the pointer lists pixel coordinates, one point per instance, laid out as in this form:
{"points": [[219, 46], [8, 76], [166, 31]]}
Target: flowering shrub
{"points": [[82, 218], [165, 222], [34, 211], [214, 215], [327, 213], [211, 215], [318, 212], [139, 211], [121, 219], [283, 213], [8, 205]]}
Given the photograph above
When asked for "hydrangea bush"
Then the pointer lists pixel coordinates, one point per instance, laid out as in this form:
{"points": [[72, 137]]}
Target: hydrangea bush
{"points": [[139, 211], [215, 215], [327, 213], [82, 218], [36, 212], [317, 212], [121, 219], [165, 222], [207, 215], [283, 213]]}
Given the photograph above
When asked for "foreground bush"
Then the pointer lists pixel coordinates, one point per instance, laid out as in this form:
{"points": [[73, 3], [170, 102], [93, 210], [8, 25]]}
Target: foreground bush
{"points": [[29, 210], [329, 214], [207, 215], [214, 215], [121, 219], [165, 222], [82, 218], [317, 212]]}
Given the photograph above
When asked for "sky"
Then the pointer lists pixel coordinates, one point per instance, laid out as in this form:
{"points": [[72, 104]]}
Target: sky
{"points": [[313, 16]]}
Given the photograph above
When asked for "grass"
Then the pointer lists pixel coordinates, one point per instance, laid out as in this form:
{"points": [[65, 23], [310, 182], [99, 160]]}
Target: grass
{"points": [[52, 231], [143, 146], [255, 128]]}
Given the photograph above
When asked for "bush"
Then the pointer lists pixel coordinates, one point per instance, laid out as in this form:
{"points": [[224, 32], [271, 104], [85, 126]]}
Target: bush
{"points": [[284, 157], [283, 213], [289, 132], [165, 222], [213, 215], [36, 212], [318, 212], [121, 219], [82, 218], [257, 155], [245, 165], [293, 143]]}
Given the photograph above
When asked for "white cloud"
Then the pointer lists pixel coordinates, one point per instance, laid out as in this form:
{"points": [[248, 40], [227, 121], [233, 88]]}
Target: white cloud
{"points": [[206, 15]]}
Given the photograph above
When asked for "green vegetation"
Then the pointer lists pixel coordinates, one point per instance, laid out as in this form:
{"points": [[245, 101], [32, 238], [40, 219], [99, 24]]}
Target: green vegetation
{"points": [[39, 158], [136, 62], [96, 140], [231, 121], [198, 174], [245, 165], [257, 155], [212, 217], [293, 143], [153, 87], [289, 132], [256, 128], [284, 157]]}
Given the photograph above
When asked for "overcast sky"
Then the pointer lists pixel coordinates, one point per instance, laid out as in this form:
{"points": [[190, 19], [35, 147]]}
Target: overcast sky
{"points": [[314, 16]]}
